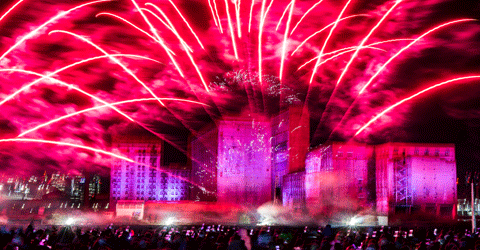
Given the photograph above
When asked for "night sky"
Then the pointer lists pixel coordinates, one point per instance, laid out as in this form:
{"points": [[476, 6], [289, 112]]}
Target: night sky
{"points": [[210, 82]]}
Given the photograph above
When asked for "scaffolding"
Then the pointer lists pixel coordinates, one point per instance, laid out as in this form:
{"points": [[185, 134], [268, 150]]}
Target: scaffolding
{"points": [[402, 187]]}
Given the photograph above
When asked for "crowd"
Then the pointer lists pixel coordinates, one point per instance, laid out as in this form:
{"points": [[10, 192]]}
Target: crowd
{"points": [[236, 238]]}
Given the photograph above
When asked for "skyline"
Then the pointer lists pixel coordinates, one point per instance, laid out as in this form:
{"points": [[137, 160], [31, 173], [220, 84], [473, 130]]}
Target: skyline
{"points": [[223, 85]]}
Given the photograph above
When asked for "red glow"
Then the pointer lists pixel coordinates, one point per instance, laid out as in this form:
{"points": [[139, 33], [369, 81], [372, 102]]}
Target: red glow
{"points": [[59, 143], [365, 40], [285, 37], [184, 54], [317, 32], [10, 10], [408, 46], [283, 15], [35, 31], [304, 15], [232, 32], [110, 105], [412, 97], [49, 76], [159, 40], [185, 21], [326, 41], [111, 58]]}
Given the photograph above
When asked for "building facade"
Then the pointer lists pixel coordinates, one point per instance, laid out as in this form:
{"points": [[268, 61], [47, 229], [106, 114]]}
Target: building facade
{"points": [[204, 152], [244, 165], [293, 195], [290, 143], [146, 179], [339, 170], [413, 177]]}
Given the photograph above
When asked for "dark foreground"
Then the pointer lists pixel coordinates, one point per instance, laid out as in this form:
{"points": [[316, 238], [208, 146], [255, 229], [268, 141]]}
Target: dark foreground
{"points": [[229, 237]]}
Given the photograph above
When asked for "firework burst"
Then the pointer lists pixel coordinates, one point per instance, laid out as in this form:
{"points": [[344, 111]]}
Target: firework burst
{"points": [[84, 72]]}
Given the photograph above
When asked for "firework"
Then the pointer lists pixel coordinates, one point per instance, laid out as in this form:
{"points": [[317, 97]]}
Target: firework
{"points": [[178, 51]]}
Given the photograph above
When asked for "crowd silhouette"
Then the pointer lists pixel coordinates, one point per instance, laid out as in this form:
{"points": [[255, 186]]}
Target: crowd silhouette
{"points": [[236, 238]]}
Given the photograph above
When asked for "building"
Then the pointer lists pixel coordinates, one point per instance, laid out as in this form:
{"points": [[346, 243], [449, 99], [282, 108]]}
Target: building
{"points": [[464, 207], [293, 195], [244, 171], [290, 143], [77, 188], [413, 177], [204, 152], [339, 170], [146, 179]]}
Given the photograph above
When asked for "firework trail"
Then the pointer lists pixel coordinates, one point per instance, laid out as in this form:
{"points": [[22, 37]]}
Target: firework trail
{"points": [[258, 68], [419, 93]]}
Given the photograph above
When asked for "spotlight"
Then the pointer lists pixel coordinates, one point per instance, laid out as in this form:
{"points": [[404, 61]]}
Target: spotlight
{"points": [[169, 221], [69, 221]]}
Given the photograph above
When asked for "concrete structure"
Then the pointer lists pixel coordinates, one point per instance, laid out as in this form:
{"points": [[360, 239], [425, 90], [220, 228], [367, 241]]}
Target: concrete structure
{"points": [[337, 177], [416, 177], [204, 152], [244, 165], [130, 209], [293, 195], [290, 143], [149, 180]]}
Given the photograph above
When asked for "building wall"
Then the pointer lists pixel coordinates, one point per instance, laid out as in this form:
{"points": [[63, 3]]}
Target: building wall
{"points": [[244, 151], [337, 177], [204, 150], [414, 176], [294, 191], [290, 144], [149, 180], [280, 154]]}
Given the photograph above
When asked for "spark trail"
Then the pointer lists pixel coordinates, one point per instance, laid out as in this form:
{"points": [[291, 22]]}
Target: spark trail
{"points": [[111, 58], [386, 63], [103, 106], [159, 40], [59, 143], [397, 2], [413, 97], [10, 10], [185, 47], [408, 46], [35, 31], [49, 76], [326, 41], [285, 37], [324, 28]]}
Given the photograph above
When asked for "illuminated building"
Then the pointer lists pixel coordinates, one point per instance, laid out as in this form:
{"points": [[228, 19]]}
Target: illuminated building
{"points": [[293, 195], [244, 151], [146, 179], [94, 186], [415, 177], [337, 177], [76, 189], [290, 143], [464, 207], [204, 150]]}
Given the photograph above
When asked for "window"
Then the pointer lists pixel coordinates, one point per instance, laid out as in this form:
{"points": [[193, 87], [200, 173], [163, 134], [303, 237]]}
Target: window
{"points": [[339, 154], [447, 152], [426, 151], [437, 152]]}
